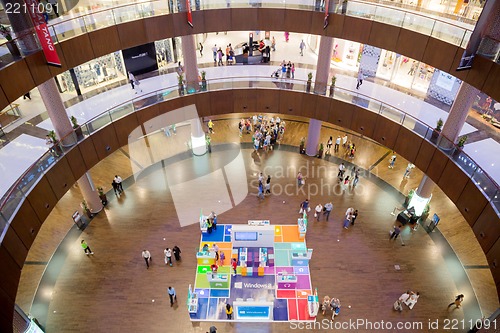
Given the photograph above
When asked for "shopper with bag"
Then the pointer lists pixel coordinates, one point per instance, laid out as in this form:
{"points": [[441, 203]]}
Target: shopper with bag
{"points": [[304, 207], [317, 212]]}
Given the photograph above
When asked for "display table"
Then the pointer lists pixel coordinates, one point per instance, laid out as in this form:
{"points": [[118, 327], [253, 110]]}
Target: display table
{"points": [[243, 256], [300, 259], [218, 280], [302, 225], [263, 257], [205, 258], [405, 217], [286, 281]]}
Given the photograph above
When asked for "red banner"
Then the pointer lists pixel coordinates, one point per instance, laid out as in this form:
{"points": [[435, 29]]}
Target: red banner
{"points": [[325, 22], [189, 14], [43, 33]]}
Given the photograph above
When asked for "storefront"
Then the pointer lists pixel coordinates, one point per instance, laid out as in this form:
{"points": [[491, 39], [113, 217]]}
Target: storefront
{"points": [[408, 73], [346, 54], [164, 52]]}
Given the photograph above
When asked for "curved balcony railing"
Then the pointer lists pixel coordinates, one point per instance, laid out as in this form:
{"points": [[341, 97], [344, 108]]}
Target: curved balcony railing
{"points": [[19, 191], [67, 28]]}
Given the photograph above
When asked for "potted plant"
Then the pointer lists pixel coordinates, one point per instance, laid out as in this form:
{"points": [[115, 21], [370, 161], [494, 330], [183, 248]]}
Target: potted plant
{"points": [[102, 196], [425, 213], [77, 128], [180, 79], [408, 197], [203, 81], [461, 141], [86, 209], [320, 151], [332, 85], [309, 81], [437, 130], [11, 44], [302, 144]]}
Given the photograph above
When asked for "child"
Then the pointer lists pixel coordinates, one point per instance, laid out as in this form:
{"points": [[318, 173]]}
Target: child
{"points": [[221, 258]]}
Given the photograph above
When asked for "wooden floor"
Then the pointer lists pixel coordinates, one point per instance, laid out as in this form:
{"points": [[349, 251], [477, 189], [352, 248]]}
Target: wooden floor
{"points": [[112, 291]]}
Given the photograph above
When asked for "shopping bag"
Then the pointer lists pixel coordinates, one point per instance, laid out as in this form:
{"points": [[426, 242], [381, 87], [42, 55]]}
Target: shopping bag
{"points": [[303, 181], [137, 83], [301, 211], [315, 214], [308, 209]]}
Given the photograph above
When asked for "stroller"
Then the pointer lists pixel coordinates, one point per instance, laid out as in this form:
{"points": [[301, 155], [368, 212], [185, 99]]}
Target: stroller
{"points": [[276, 73]]}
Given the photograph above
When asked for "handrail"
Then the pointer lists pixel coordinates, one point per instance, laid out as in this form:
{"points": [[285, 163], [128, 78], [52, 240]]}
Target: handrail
{"points": [[86, 22], [215, 84]]}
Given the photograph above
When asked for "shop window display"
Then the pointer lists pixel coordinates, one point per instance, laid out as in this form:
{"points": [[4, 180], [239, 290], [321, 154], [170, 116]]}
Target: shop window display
{"points": [[346, 54], [100, 70], [164, 53]]}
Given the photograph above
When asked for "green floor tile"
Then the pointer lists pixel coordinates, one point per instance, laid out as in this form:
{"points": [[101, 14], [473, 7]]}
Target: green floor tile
{"points": [[281, 258], [201, 281], [283, 246], [203, 269]]}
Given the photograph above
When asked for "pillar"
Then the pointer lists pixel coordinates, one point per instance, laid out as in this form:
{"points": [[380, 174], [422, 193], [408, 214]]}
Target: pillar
{"points": [[458, 114], [90, 194], [22, 26], [313, 133], [190, 64], [198, 143], [323, 65], [57, 113], [425, 187]]}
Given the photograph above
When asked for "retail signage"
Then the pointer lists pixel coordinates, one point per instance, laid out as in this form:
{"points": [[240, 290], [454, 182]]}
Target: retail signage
{"points": [[189, 14], [253, 312], [140, 59], [43, 33]]}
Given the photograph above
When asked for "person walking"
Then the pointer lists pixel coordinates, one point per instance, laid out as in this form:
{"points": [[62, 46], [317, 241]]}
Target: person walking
{"points": [[210, 126], [115, 186], [177, 253], [27, 95], [340, 175], [268, 184], [293, 71], [408, 170], [220, 55], [337, 144], [222, 257], [356, 178], [172, 295], [260, 195], [300, 179], [354, 216], [214, 51], [212, 329], [201, 50], [317, 211], [147, 257], [234, 265], [395, 232], [86, 247], [118, 180], [302, 46], [360, 79], [392, 160], [328, 208], [329, 146], [344, 140], [457, 302], [131, 80], [229, 311], [168, 256]]}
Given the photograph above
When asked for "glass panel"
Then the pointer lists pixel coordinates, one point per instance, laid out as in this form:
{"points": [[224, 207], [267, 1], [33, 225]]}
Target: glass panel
{"points": [[3, 227], [415, 126], [69, 29], [160, 7], [121, 111], [360, 10], [448, 33], [466, 38], [392, 113], [10, 206], [495, 202], [126, 14], [146, 9], [418, 23], [98, 122], [482, 180], [389, 16], [99, 20], [465, 163]]}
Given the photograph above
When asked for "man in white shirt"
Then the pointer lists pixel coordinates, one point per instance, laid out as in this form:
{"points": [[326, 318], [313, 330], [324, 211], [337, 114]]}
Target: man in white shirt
{"points": [[147, 257], [328, 209], [317, 212], [118, 181], [341, 171], [337, 144], [344, 140]]}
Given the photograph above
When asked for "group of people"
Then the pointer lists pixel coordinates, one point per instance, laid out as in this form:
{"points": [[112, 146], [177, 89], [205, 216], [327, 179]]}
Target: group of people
{"points": [[332, 304], [349, 147], [176, 251], [262, 187], [218, 55], [409, 298], [211, 222], [350, 217], [287, 70], [267, 131], [219, 256], [323, 209], [345, 180], [117, 185]]}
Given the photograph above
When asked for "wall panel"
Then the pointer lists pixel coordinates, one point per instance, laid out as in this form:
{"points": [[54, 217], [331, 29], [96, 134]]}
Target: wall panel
{"points": [[437, 165], [77, 50], [407, 144], [105, 142], [88, 152], [453, 180], [132, 34], [441, 59], [386, 132], [323, 105], [42, 199], [16, 80], [105, 41], [363, 121], [424, 156], [26, 224], [356, 29], [290, 102], [268, 101], [76, 162], [125, 126], [38, 67], [273, 20], [411, 44], [492, 82], [11, 273], [297, 20], [341, 114], [217, 20], [3, 99], [242, 18], [471, 202], [486, 228], [15, 247], [308, 106], [379, 36], [60, 177], [244, 101], [479, 71], [493, 257], [335, 25], [64, 67]]}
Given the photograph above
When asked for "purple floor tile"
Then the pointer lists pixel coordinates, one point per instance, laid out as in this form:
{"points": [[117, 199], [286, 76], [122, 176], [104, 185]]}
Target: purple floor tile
{"points": [[280, 310], [268, 270], [301, 270], [303, 282], [287, 269]]}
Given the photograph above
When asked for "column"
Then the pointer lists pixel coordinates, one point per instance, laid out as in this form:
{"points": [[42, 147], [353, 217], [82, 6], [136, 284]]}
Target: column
{"points": [[458, 114], [89, 193], [198, 143], [425, 187], [22, 26], [190, 64], [313, 133], [323, 65], [57, 113]]}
